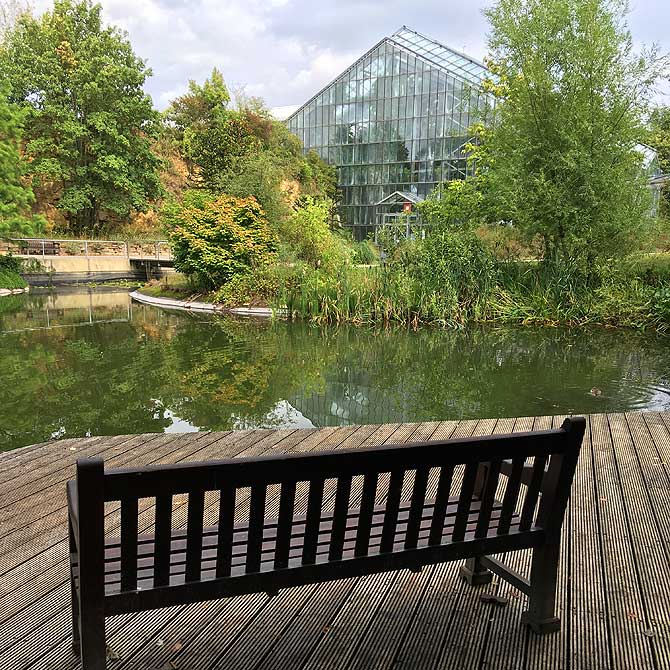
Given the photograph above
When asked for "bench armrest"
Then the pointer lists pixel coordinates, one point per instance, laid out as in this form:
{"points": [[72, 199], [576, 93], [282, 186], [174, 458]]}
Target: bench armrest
{"points": [[73, 508]]}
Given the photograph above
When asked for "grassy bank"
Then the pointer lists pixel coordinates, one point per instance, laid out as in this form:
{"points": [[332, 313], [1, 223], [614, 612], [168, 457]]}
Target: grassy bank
{"points": [[11, 280], [10, 277], [632, 294]]}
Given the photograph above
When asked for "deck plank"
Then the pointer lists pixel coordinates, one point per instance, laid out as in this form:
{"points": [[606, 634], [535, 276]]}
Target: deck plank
{"points": [[614, 598]]}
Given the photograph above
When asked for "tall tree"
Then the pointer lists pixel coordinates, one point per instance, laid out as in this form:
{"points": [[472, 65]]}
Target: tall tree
{"points": [[15, 196], [89, 122], [560, 159]]}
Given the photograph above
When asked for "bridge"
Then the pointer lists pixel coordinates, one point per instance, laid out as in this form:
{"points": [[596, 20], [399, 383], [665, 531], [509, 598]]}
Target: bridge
{"points": [[49, 260]]}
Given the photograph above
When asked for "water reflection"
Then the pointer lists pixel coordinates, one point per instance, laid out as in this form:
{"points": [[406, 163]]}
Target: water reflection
{"points": [[86, 362]]}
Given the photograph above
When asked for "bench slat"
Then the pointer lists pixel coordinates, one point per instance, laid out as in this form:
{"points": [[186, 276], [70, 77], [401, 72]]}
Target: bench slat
{"points": [[224, 550], [441, 503], [416, 507], [163, 540], [340, 517], [256, 527], [530, 503], [284, 524], [392, 507], [488, 498], [365, 516], [194, 526], [129, 532], [465, 500], [313, 521], [514, 480]]}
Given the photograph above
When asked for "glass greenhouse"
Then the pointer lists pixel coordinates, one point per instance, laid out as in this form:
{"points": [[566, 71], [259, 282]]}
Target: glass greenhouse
{"points": [[395, 124]]}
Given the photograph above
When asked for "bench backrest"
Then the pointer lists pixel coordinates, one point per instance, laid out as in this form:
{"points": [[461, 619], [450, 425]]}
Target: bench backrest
{"points": [[311, 496]]}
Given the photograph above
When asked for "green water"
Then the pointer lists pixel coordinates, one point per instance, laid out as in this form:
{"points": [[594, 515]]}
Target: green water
{"points": [[88, 362]]}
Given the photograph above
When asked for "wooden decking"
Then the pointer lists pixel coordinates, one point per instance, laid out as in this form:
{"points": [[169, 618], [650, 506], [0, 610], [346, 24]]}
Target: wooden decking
{"points": [[614, 586]]}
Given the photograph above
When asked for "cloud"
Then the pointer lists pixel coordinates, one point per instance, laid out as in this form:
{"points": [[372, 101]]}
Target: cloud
{"points": [[287, 50]]}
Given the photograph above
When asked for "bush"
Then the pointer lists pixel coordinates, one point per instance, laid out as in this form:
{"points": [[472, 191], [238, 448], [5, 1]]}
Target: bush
{"points": [[10, 263], [309, 239], [221, 239]]}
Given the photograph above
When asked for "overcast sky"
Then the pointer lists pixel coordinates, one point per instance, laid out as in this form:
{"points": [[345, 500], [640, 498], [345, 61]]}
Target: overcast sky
{"points": [[286, 50]]}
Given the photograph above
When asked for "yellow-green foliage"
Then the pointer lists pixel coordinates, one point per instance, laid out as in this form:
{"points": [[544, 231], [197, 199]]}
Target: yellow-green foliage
{"points": [[308, 237], [220, 239]]}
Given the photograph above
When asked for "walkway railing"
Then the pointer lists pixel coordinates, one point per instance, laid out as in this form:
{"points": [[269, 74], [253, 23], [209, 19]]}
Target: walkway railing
{"points": [[133, 250]]}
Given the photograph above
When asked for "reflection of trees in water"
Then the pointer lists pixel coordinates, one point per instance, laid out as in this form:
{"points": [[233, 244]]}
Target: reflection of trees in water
{"points": [[216, 374]]}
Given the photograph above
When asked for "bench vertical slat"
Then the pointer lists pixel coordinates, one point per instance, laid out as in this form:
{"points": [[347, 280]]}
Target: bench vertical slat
{"points": [[224, 544], [511, 495], [533, 492], [313, 521], [129, 514], [339, 518], [365, 514], [416, 507], [391, 511], [488, 498], [163, 540], [465, 501], [194, 521], [256, 527], [284, 524], [441, 503]]}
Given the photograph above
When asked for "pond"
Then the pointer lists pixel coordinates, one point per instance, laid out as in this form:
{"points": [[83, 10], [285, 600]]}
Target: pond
{"points": [[79, 362]]}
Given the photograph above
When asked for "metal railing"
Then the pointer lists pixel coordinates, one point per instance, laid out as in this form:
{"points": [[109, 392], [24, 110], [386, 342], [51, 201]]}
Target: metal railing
{"points": [[45, 247]]}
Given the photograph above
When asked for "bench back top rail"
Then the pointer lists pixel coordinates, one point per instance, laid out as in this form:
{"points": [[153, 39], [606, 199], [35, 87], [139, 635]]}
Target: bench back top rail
{"points": [[328, 507]]}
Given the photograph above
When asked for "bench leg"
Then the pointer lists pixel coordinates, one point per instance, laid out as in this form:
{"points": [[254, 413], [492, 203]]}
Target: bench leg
{"points": [[74, 596], [541, 612], [93, 647], [474, 573]]}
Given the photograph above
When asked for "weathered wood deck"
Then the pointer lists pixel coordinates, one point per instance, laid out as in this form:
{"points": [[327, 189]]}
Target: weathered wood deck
{"points": [[614, 585]]}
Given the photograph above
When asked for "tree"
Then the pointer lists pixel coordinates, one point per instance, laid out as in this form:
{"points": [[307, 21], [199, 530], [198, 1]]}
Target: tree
{"points": [[15, 196], [659, 139], [89, 122], [215, 240], [559, 158], [243, 151]]}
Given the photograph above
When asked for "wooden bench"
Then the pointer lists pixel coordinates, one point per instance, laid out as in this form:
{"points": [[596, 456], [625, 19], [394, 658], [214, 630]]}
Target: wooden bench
{"points": [[200, 531], [40, 247]]}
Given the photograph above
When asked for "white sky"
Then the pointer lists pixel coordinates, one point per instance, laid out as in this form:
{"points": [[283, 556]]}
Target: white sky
{"points": [[286, 50]]}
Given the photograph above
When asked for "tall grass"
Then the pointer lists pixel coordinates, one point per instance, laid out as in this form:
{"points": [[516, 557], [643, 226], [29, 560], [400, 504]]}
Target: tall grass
{"points": [[450, 293]]}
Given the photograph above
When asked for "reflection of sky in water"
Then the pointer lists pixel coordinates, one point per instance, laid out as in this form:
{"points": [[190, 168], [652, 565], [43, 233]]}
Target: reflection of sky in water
{"points": [[282, 414]]}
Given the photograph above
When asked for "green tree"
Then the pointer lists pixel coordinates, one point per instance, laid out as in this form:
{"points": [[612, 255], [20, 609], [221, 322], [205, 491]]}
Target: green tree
{"points": [[243, 151], [560, 159], [89, 122], [659, 139], [15, 196], [215, 240]]}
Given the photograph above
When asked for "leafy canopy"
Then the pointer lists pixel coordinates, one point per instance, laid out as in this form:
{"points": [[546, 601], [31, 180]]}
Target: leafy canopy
{"points": [[559, 158], [15, 197], [242, 150], [89, 122], [217, 239]]}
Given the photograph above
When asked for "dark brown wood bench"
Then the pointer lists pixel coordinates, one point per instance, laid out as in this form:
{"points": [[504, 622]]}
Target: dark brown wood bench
{"points": [[200, 531], [40, 247]]}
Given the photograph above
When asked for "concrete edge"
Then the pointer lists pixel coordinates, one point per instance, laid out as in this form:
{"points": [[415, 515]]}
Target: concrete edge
{"points": [[195, 306]]}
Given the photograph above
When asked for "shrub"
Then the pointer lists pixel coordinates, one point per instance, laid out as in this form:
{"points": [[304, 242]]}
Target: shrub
{"points": [[221, 239], [309, 238], [10, 263]]}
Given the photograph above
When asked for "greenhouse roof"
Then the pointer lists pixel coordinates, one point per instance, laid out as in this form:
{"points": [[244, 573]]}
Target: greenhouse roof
{"points": [[441, 55]]}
